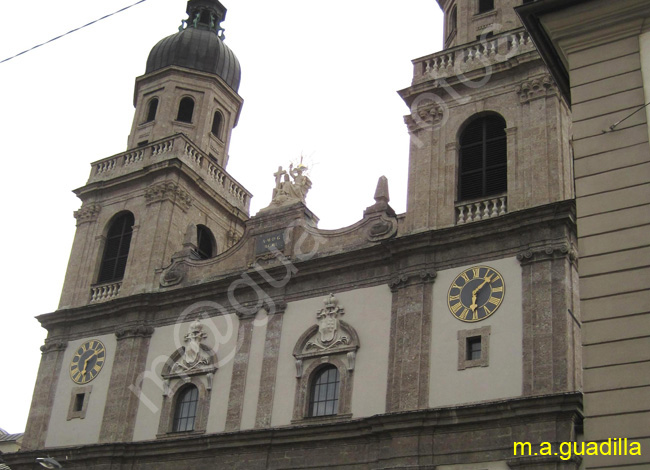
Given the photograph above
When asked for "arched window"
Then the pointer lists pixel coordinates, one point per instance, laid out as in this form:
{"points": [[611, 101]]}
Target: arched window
{"points": [[324, 393], [216, 124], [153, 107], [185, 411], [483, 158], [185, 110], [116, 251], [204, 242], [453, 19]]}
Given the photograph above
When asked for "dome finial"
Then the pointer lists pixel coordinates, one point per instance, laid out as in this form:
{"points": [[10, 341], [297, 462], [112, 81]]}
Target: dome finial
{"points": [[205, 14]]}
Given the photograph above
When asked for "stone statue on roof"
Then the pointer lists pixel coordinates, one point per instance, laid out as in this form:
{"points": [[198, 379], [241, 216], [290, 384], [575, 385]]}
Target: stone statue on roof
{"points": [[287, 191]]}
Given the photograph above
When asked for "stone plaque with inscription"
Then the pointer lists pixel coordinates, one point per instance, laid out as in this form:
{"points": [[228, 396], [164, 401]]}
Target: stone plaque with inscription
{"points": [[268, 242]]}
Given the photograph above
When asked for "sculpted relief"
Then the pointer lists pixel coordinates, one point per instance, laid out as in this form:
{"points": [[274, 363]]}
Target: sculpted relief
{"points": [[290, 186], [193, 356], [330, 336]]}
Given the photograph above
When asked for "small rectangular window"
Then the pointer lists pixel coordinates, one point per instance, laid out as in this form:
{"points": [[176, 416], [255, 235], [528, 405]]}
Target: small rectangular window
{"points": [[473, 348], [79, 402], [485, 5]]}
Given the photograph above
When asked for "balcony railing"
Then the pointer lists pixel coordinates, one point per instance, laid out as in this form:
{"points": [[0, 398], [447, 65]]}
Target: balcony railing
{"points": [[473, 211], [177, 146], [103, 292], [472, 56]]}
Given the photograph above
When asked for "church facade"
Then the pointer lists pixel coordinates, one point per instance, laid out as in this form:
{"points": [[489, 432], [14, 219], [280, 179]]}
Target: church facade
{"points": [[191, 334]]}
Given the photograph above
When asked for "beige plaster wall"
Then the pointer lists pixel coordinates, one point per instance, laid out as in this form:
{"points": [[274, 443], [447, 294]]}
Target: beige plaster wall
{"points": [[62, 432], [222, 336], [368, 311], [503, 376]]}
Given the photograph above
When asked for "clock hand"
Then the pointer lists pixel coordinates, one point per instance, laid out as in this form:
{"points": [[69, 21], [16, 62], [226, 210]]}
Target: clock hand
{"points": [[476, 291]]}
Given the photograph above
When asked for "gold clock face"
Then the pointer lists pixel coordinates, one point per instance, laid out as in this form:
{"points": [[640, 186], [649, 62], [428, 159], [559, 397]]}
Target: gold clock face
{"points": [[87, 361], [476, 293]]}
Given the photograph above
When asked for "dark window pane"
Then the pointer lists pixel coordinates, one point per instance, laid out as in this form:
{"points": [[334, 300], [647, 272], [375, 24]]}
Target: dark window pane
{"points": [[474, 348], [153, 107], [116, 250], [185, 110], [324, 396], [204, 241], [186, 406], [485, 5], [216, 124], [483, 158]]}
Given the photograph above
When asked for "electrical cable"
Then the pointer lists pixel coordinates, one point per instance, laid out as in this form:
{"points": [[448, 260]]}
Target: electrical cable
{"points": [[72, 31]]}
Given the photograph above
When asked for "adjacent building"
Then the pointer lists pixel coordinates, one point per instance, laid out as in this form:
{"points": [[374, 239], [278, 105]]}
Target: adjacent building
{"points": [[599, 53]]}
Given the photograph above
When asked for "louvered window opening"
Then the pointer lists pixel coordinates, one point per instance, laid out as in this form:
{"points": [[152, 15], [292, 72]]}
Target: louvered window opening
{"points": [[485, 5], [186, 406], [185, 110], [483, 159], [116, 252], [324, 397], [216, 124], [153, 108], [204, 242]]}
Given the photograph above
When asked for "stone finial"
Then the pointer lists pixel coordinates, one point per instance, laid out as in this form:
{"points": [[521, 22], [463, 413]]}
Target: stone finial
{"points": [[381, 199], [381, 193]]}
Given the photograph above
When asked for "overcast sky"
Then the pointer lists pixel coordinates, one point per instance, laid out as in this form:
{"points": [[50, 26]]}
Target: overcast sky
{"points": [[319, 78]]}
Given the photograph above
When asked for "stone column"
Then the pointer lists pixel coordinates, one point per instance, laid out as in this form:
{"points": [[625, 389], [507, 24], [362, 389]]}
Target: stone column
{"points": [[239, 372], [269, 367], [122, 403], [44, 391], [551, 321], [410, 341]]}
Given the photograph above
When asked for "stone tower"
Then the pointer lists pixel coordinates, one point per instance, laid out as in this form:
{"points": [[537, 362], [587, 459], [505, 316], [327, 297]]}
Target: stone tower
{"points": [[168, 194], [489, 67]]}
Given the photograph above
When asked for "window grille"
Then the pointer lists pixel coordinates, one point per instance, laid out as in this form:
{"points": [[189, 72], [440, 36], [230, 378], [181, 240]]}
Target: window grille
{"points": [[483, 158], [324, 397], [185, 412], [116, 251]]}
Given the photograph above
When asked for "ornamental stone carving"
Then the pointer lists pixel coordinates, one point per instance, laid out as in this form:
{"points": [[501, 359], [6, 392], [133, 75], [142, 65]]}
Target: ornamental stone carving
{"points": [[548, 252], [536, 88], [402, 280], [87, 213], [50, 346], [168, 191], [134, 331], [330, 336], [194, 358], [286, 191]]}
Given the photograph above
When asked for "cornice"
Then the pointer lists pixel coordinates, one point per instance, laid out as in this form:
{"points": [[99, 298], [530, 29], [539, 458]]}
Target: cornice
{"points": [[387, 264], [485, 415]]}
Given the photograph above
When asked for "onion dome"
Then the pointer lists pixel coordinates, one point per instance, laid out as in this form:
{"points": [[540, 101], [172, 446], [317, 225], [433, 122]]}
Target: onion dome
{"points": [[199, 44]]}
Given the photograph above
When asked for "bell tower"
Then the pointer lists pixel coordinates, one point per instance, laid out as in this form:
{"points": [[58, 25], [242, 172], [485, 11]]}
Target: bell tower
{"points": [[168, 195], [489, 129]]}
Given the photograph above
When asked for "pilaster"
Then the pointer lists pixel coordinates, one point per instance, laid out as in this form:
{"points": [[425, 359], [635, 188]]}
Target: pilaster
{"points": [[550, 316], [43, 398], [269, 367], [410, 341], [239, 372], [122, 402]]}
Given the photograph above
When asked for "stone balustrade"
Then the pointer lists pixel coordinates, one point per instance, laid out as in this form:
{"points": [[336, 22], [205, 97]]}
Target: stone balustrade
{"points": [[180, 147], [474, 211], [472, 56], [103, 292]]}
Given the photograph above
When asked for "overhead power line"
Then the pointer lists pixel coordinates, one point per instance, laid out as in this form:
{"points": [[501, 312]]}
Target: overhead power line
{"points": [[73, 30]]}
